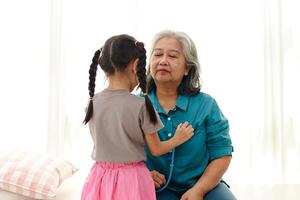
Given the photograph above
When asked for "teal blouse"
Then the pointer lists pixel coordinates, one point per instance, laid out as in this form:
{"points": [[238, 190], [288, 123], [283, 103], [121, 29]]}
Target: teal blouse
{"points": [[211, 139]]}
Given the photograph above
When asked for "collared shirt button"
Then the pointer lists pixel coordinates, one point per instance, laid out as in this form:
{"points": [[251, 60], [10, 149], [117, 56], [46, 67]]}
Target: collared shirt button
{"points": [[169, 134], [169, 118]]}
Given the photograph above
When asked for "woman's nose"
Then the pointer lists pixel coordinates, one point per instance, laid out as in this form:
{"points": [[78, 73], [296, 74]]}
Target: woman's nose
{"points": [[163, 61]]}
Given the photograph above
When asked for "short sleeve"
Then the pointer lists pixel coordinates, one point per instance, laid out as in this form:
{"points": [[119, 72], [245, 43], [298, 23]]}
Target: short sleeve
{"points": [[218, 138], [146, 125]]}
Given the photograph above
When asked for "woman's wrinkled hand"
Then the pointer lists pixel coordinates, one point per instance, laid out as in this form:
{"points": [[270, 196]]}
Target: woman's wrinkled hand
{"points": [[192, 194]]}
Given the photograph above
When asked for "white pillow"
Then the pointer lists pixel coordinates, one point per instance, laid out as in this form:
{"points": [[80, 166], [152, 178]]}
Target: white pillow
{"points": [[37, 176], [4, 195]]}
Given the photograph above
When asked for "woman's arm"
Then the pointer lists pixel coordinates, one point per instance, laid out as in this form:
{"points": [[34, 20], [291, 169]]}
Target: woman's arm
{"points": [[209, 179], [213, 174]]}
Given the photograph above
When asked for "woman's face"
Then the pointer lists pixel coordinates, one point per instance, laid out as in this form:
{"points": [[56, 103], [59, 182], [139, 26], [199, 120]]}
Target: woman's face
{"points": [[167, 62]]}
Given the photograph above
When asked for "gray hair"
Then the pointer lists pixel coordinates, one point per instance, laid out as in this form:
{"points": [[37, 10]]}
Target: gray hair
{"points": [[190, 84]]}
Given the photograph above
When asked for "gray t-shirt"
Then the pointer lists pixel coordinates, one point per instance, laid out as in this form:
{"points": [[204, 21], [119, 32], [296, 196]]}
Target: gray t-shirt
{"points": [[117, 126]]}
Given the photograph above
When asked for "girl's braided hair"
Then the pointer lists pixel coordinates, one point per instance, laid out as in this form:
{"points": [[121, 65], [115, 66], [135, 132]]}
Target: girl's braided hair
{"points": [[117, 52]]}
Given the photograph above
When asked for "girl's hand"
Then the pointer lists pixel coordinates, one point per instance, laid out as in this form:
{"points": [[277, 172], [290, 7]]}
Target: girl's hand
{"points": [[158, 178], [183, 133], [192, 194]]}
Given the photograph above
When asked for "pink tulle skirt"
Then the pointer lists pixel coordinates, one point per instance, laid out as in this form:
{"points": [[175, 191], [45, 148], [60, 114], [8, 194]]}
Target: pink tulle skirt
{"points": [[111, 181]]}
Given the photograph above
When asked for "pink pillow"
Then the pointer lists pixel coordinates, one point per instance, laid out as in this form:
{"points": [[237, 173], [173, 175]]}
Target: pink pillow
{"points": [[37, 176]]}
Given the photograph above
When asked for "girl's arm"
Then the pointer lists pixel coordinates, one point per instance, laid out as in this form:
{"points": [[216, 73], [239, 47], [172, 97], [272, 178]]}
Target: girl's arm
{"points": [[183, 133]]}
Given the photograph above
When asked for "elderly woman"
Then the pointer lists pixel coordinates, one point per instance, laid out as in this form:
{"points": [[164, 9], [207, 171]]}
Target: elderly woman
{"points": [[194, 170]]}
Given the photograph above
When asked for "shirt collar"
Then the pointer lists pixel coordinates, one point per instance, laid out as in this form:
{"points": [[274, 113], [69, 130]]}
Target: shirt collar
{"points": [[155, 102], [181, 103]]}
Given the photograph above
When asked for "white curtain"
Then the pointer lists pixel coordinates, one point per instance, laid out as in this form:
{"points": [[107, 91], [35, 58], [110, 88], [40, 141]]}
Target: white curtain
{"points": [[249, 54], [24, 63]]}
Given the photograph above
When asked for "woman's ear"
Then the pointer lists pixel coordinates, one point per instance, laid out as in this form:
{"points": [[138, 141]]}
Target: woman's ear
{"points": [[186, 71]]}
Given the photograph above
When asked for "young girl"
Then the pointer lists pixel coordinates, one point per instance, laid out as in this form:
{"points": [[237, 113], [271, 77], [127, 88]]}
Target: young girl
{"points": [[119, 123]]}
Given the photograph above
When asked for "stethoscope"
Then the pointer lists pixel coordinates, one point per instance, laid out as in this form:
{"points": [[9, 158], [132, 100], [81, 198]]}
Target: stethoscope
{"points": [[170, 172]]}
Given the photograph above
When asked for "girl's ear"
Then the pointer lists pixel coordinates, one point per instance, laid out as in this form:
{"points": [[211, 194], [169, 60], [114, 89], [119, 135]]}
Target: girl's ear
{"points": [[135, 65]]}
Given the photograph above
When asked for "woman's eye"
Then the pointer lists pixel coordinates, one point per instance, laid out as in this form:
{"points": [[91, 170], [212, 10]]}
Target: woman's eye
{"points": [[173, 56], [157, 54]]}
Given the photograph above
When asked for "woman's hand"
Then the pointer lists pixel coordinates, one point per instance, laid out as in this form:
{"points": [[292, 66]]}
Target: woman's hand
{"points": [[184, 132], [192, 194], [158, 178]]}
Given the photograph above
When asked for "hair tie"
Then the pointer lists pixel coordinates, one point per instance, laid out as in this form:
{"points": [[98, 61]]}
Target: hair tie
{"points": [[145, 94], [101, 50]]}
